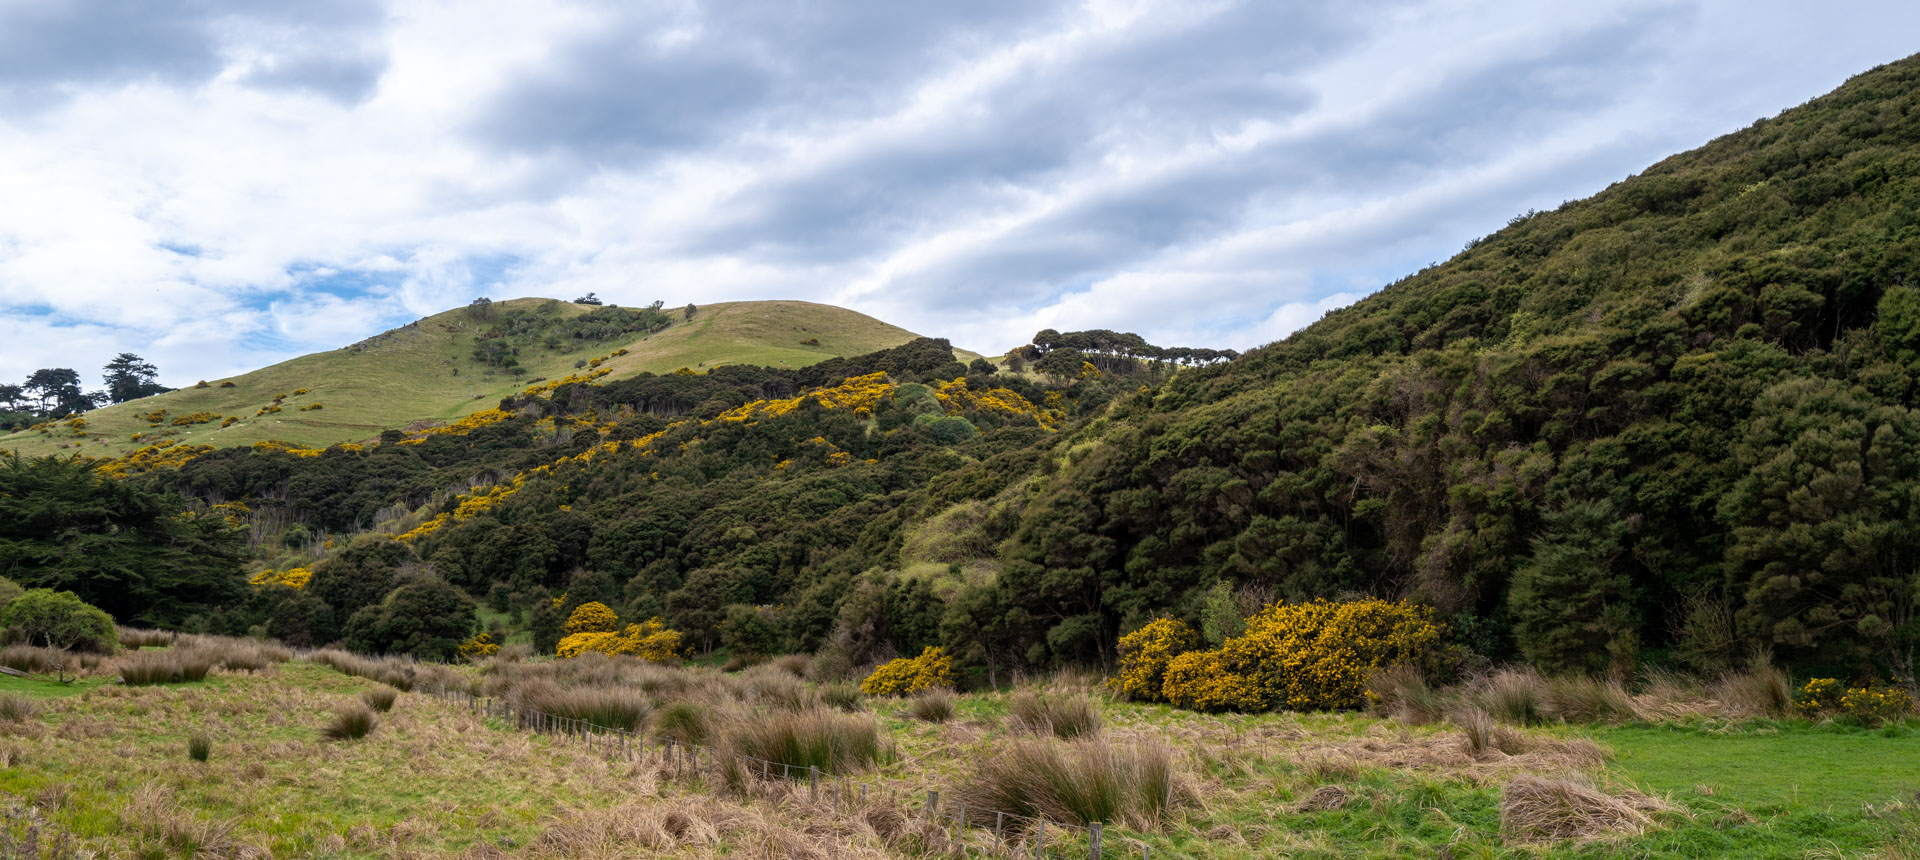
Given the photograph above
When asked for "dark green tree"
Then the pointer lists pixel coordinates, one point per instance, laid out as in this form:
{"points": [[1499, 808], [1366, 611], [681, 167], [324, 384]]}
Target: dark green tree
{"points": [[60, 619], [130, 377], [427, 618], [1573, 609]]}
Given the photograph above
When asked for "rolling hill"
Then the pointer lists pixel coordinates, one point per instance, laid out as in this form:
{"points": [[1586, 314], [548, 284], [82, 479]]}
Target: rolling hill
{"points": [[426, 371]]}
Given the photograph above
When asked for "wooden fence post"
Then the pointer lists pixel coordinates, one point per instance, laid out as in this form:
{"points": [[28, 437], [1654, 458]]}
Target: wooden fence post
{"points": [[1093, 843], [933, 804], [813, 782]]}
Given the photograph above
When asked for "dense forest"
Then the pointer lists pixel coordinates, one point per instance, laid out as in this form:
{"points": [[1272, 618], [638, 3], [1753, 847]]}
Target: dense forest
{"points": [[1671, 423]]}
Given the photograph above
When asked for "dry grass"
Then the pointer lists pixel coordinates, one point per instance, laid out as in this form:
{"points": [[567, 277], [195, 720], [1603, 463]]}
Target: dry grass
{"points": [[835, 742], [1401, 692], [1759, 691], [15, 708], [33, 659], [1537, 809], [1579, 699], [351, 722], [1513, 696], [1077, 782], [606, 707], [1064, 717], [683, 722], [380, 698], [792, 664], [933, 705], [135, 637], [174, 666], [844, 695]]}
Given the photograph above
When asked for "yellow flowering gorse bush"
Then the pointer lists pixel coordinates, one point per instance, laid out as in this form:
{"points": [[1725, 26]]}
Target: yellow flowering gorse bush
{"points": [[293, 577], [479, 646], [650, 640], [1144, 655], [933, 668], [1873, 705], [1302, 656], [593, 617]]}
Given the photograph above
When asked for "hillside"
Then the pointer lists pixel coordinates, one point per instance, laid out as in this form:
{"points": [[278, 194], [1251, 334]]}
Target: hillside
{"points": [[427, 371]]}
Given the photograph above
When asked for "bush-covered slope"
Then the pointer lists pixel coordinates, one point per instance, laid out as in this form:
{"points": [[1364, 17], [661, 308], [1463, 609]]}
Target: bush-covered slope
{"points": [[1676, 414], [454, 363]]}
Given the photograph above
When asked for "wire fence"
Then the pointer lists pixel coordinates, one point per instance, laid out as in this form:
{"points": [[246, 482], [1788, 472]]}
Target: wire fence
{"points": [[1003, 833]]}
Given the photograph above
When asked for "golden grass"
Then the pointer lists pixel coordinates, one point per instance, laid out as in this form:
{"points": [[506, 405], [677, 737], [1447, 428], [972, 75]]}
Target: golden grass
{"points": [[1536, 809]]}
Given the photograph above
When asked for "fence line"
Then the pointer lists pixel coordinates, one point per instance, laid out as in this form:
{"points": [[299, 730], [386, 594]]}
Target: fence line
{"points": [[684, 756]]}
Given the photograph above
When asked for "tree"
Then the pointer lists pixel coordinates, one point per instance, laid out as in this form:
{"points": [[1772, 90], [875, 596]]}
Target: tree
{"points": [[60, 619], [428, 618], [982, 366], [130, 377], [689, 312], [588, 299], [1573, 610], [58, 391], [146, 556], [480, 309]]}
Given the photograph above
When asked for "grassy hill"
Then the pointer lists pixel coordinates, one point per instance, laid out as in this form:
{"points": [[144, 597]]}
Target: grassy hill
{"points": [[426, 371]]}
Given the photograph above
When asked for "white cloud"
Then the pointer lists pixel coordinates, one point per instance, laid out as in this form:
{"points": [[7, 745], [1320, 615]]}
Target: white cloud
{"points": [[264, 182]]}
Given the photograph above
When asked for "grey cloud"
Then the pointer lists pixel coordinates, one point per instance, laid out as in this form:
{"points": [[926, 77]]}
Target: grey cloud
{"points": [[344, 78], [47, 46]]}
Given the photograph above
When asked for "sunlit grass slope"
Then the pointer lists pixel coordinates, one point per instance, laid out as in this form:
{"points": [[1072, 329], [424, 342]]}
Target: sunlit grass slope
{"points": [[426, 371]]}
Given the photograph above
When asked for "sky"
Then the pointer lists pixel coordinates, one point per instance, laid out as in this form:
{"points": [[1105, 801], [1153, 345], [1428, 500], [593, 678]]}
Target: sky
{"points": [[218, 186]]}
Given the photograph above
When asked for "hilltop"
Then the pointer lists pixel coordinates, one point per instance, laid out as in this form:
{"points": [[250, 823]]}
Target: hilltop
{"points": [[427, 371]]}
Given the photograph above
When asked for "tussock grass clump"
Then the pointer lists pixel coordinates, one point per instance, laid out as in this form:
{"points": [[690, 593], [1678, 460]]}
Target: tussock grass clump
{"points": [[933, 705], [135, 637], [380, 698], [1064, 717], [843, 695], [608, 707], [683, 722], [28, 658], [390, 672], [832, 741], [1077, 782], [775, 687], [1480, 735], [1536, 809], [1759, 691], [177, 666], [792, 664], [1579, 699], [199, 747], [1513, 696], [1401, 693], [16, 708], [351, 722]]}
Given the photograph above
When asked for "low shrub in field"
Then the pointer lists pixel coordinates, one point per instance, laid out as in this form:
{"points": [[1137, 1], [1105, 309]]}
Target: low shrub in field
{"points": [[932, 705], [1077, 782], [380, 698], [60, 619], [352, 722], [1064, 717], [15, 708], [481, 645], [199, 747], [178, 666], [592, 617], [1303, 656], [1872, 705], [1145, 654], [933, 668], [836, 743], [1537, 809]]}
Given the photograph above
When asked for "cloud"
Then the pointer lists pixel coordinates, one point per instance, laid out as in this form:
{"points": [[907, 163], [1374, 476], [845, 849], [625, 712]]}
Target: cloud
{"points": [[219, 185]]}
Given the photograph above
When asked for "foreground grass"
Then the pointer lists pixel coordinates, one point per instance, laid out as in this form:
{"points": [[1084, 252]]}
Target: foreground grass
{"points": [[110, 765]]}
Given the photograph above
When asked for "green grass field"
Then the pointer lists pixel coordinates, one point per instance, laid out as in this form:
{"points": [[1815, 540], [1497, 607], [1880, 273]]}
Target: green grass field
{"points": [[425, 371], [108, 765]]}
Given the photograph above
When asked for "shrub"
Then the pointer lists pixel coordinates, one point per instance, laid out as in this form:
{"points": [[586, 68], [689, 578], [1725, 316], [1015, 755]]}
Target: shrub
{"points": [[932, 705], [933, 668], [683, 722], [651, 641], [1303, 656], [1145, 654], [1872, 705], [60, 619], [843, 695], [834, 742], [16, 708], [592, 617], [1064, 717], [199, 747], [380, 698], [1077, 783], [351, 722], [481, 645]]}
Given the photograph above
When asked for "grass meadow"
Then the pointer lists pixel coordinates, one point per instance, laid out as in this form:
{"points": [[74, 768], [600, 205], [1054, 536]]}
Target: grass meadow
{"points": [[113, 769]]}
